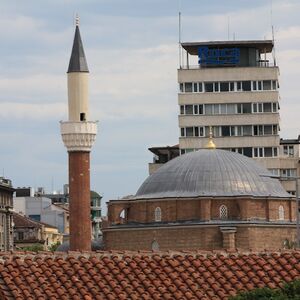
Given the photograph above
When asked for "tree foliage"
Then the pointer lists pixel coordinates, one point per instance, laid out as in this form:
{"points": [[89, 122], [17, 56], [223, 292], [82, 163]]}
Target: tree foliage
{"points": [[289, 291], [34, 248]]}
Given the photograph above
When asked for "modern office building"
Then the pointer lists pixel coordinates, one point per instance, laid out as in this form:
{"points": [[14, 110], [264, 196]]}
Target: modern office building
{"points": [[233, 87]]}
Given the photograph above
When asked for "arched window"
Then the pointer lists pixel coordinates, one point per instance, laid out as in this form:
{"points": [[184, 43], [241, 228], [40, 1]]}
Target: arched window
{"points": [[157, 214], [281, 213], [223, 212], [155, 246], [122, 214]]}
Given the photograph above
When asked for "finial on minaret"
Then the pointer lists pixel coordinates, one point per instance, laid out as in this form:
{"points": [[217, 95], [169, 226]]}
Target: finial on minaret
{"points": [[77, 20], [210, 144]]}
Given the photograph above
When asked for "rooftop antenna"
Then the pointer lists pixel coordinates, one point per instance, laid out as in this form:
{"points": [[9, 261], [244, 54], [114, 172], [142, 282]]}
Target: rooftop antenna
{"points": [[179, 38], [179, 35], [273, 34], [228, 27]]}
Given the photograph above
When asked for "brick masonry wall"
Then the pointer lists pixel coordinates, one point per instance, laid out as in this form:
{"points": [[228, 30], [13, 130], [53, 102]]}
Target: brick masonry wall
{"points": [[80, 206], [201, 209], [201, 237]]}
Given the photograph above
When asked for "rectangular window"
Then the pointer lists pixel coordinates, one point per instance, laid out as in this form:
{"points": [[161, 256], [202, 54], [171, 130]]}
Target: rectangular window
{"points": [[182, 109], [196, 131], [267, 107], [200, 87], [274, 85], [232, 131], [224, 86], [268, 129], [208, 87], [225, 131], [231, 86], [267, 85], [275, 151], [216, 86], [189, 131], [200, 109], [188, 87], [231, 108], [189, 109], [196, 109], [247, 108], [216, 109], [247, 151], [246, 86], [239, 108], [201, 131], [275, 129], [223, 109], [254, 107], [208, 109], [259, 85], [274, 107], [274, 172], [239, 86], [195, 87], [268, 152], [288, 150], [182, 132], [254, 85], [247, 130], [181, 88]]}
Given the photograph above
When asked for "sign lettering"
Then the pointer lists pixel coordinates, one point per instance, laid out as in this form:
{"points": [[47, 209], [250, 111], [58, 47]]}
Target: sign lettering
{"points": [[226, 56]]}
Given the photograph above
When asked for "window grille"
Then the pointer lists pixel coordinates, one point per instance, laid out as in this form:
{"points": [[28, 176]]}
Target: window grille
{"points": [[157, 214], [223, 212], [281, 213]]}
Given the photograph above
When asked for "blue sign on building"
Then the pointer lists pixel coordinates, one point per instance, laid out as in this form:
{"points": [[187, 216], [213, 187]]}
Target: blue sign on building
{"points": [[226, 56]]}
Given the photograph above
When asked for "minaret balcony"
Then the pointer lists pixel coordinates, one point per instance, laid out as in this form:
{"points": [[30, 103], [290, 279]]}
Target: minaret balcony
{"points": [[78, 136]]}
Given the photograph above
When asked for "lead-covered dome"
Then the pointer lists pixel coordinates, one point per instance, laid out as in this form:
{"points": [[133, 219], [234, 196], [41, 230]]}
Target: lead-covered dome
{"points": [[211, 172]]}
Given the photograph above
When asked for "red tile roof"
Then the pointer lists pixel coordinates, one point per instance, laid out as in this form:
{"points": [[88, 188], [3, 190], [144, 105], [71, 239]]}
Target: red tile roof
{"points": [[142, 275]]}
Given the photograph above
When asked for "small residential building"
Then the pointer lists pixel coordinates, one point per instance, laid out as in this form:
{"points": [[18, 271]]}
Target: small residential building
{"points": [[41, 209], [28, 232], [6, 219]]}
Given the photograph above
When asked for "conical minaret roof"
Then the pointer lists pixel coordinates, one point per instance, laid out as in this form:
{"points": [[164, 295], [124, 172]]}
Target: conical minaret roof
{"points": [[78, 61]]}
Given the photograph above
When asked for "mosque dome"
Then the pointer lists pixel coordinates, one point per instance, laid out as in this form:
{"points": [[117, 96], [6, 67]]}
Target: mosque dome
{"points": [[211, 172]]}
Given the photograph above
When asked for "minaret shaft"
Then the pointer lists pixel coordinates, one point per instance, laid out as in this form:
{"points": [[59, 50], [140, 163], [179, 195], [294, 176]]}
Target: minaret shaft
{"points": [[79, 187], [78, 90]]}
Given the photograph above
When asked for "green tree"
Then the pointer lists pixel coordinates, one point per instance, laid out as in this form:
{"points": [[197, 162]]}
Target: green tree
{"points": [[289, 291], [34, 248], [53, 247]]}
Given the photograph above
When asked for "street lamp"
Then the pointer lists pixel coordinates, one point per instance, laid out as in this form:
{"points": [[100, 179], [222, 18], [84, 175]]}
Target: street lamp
{"points": [[288, 178]]}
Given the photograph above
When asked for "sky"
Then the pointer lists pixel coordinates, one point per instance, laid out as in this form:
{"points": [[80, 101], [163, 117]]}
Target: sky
{"points": [[132, 52]]}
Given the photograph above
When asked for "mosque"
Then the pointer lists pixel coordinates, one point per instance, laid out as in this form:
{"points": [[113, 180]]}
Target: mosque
{"points": [[209, 199]]}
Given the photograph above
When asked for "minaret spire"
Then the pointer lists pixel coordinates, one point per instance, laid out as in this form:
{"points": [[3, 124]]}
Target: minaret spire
{"points": [[78, 61]]}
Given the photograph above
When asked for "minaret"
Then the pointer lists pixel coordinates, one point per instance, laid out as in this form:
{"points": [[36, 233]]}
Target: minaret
{"points": [[78, 135]]}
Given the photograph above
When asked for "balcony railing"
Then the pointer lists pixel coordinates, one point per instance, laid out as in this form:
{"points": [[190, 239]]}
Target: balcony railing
{"points": [[259, 64]]}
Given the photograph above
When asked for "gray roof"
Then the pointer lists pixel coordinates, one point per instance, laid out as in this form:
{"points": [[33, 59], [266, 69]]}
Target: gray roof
{"points": [[77, 61], [262, 45], [211, 172]]}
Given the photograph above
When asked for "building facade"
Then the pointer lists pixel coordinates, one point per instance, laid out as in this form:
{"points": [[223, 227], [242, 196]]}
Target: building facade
{"points": [[233, 87], [41, 209], [28, 233], [6, 218]]}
